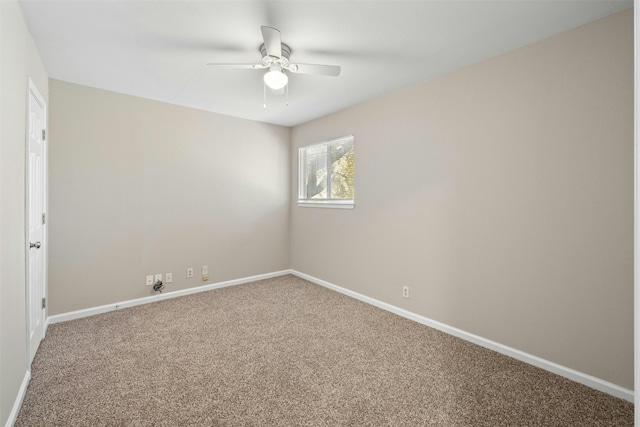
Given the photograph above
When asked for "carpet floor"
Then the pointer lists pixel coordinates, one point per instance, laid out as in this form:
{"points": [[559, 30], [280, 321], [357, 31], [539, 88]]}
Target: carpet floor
{"points": [[286, 352]]}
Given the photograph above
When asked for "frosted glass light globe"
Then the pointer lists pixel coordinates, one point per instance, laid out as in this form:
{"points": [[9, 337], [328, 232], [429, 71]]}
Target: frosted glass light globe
{"points": [[275, 79]]}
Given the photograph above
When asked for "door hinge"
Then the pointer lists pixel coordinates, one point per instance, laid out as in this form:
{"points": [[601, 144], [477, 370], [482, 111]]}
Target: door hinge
{"points": [[44, 303], [43, 219], [43, 134]]}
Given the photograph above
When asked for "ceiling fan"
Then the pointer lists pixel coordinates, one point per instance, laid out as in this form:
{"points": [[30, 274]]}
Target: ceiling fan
{"points": [[275, 57]]}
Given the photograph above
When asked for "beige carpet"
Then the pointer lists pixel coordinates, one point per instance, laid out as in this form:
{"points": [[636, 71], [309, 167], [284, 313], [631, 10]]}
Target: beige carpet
{"points": [[285, 352]]}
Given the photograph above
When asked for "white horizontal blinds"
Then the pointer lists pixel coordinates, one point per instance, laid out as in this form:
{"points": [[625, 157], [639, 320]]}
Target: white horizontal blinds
{"points": [[316, 172], [326, 171]]}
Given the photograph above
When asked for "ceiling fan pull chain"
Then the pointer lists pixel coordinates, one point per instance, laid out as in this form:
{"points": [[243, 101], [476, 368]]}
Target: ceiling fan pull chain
{"points": [[276, 60]]}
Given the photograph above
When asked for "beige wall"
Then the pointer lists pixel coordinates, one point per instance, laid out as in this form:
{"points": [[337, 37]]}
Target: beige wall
{"points": [[19, 60], [502, 195], [139, 187]]}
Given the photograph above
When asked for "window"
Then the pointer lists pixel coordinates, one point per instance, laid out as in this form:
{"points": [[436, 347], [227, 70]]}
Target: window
{"points": [[326, 174]]}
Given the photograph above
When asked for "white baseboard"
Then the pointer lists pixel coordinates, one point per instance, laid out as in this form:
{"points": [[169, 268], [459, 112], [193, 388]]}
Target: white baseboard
{"points": [[13, 416], [47, 320], [159, 297], [579, 377]]}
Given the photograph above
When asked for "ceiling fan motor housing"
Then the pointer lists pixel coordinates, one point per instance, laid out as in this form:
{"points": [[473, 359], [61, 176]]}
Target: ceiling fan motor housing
{"points": [[283, 60]]}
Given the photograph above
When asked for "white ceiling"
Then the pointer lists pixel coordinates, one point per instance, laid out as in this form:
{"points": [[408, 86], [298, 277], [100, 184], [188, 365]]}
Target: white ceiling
{"points": [[158, 49]]}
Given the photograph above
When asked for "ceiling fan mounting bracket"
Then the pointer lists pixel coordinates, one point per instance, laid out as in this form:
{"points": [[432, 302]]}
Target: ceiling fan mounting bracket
{"points": [[283, 60]]}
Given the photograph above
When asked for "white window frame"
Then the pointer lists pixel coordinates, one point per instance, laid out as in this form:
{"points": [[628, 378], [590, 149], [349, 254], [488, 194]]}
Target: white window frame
{"points": [[319, 203]]}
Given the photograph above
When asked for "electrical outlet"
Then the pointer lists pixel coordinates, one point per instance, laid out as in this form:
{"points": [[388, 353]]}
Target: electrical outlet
{"points": [[405, 292], [205, 270], [158, 277], [189, 273], [169, 277], [149, 280]]}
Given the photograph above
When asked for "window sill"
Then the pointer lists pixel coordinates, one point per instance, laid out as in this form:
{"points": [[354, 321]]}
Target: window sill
{"points": [[332, 204]]}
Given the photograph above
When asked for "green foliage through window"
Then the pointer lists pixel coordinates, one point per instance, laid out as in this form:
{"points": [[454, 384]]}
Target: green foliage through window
{"points": [[327, 171]]}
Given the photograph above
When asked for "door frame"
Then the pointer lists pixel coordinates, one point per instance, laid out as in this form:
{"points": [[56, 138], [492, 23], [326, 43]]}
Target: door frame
{"points": [[636, 213], [33, 90]]}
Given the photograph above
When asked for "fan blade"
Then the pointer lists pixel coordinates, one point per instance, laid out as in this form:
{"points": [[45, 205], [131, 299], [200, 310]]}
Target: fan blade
{"points": [[239, 66], [323, 70], [272, 41]]}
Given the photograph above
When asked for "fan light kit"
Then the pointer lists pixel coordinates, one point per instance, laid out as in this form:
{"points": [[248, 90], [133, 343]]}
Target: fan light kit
{"points": [[275, 57], [275, 78]]}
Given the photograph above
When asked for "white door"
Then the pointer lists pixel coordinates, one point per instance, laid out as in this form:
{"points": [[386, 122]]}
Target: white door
{"points": [[35, 198]]}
